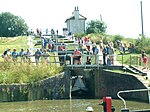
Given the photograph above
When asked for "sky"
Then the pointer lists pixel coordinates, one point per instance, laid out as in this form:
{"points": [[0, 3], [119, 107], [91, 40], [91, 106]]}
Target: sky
{"points": [[122, 17]]}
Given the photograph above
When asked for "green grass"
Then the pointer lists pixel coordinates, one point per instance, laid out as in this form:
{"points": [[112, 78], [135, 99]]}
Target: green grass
{"points": [[25, 73], [16, 42], [127, 58]]}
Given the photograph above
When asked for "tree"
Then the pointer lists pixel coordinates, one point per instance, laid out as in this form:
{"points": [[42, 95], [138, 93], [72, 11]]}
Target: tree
{"points": [[11, 25], [96, 26], [142, 43]]}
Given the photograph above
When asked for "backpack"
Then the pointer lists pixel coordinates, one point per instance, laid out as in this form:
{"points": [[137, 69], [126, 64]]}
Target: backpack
{"points": [[5, 52]]}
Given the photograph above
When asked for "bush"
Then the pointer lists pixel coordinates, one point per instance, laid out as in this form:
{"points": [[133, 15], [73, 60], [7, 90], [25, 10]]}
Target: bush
{"points": [[80, 34]]}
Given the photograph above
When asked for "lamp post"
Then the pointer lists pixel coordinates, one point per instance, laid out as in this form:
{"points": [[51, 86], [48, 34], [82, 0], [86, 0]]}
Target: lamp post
{"points": [[142, 18]]}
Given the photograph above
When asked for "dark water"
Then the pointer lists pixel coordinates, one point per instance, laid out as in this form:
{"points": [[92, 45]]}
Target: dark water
{"points": [[78, 105]]}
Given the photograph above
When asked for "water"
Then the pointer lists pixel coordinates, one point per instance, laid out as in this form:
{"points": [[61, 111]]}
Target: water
{"points": [[77, 105]]}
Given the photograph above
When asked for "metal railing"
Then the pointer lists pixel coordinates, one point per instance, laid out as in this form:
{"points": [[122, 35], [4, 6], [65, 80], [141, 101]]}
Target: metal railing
{"points": [[137, 61], [96, 60], [127, 91], [63, 57]]}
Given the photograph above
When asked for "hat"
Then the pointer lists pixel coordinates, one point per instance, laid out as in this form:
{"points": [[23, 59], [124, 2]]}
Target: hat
{"points": [[88, 109]]}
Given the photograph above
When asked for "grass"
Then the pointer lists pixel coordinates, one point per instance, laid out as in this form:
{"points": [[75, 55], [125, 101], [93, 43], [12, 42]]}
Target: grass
{"points": [[15, 42], [25, 73], [127, 58]]}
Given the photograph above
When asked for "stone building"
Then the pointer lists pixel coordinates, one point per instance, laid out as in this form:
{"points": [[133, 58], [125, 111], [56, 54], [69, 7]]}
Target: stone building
{"points": [[76, 23]]}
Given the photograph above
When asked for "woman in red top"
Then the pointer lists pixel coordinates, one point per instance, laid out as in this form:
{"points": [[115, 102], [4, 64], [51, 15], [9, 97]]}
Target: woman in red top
{"points": [[145, 61], [77, 56]]}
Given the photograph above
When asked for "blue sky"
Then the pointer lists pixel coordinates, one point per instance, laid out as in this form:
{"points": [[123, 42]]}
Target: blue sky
{"points": [[121, 16]]}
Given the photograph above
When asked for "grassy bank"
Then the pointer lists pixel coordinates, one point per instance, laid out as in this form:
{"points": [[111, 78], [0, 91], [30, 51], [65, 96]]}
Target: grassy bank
{"points": [[25, 73], [12, 42], [15, 42], [22, 73]]}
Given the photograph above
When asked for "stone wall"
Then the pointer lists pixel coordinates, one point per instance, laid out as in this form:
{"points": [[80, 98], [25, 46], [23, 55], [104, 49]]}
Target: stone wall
{"points": [[50, 88], [108, 83], [99, 82]]}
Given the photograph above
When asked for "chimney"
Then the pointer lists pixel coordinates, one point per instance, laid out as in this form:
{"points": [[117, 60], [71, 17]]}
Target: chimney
{"points": [[77, 8], [76, 13]]}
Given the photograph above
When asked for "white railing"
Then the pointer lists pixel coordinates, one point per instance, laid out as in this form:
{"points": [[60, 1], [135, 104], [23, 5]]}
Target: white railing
{"points": [[96, 60], [128, 91]]}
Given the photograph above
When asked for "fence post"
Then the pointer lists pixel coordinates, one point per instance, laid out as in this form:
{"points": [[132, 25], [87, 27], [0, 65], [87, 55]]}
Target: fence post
{"points": [[65, 60], [130, 60]]}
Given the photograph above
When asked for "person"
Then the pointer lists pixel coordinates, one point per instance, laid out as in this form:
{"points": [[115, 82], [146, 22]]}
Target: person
{"points": [[80, 43], [145, 61], [93, 47], [37, 31], [28, 56], [45, 43], [46, 31], [62, 47], [87, 43], [96, 51], [45, 56], [108, 61], [57, 32], [52, 33], [143, 53], [37, 55], [50, 45], [77, 56], [22, 56], [101, 45], [7, 55], [88, 62], [42, 40], [4, 55], [86, 39], [14, 55], [5, 52], [72, 36], [111, 54], [104, 51]]}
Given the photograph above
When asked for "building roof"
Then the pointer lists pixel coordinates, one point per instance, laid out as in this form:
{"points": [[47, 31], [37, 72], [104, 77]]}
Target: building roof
{"points": [[73, 17]]}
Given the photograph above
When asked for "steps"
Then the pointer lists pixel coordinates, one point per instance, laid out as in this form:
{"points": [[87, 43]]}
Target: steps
{"points": [[137, 70]]}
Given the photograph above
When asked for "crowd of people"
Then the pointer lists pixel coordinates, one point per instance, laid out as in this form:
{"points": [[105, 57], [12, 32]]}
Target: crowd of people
{"points": [[105, 51], [102, 52], [41, 55]]}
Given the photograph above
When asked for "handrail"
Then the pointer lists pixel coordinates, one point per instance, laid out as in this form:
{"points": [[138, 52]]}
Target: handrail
{"points": [[127, 91], [84, 56]]}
